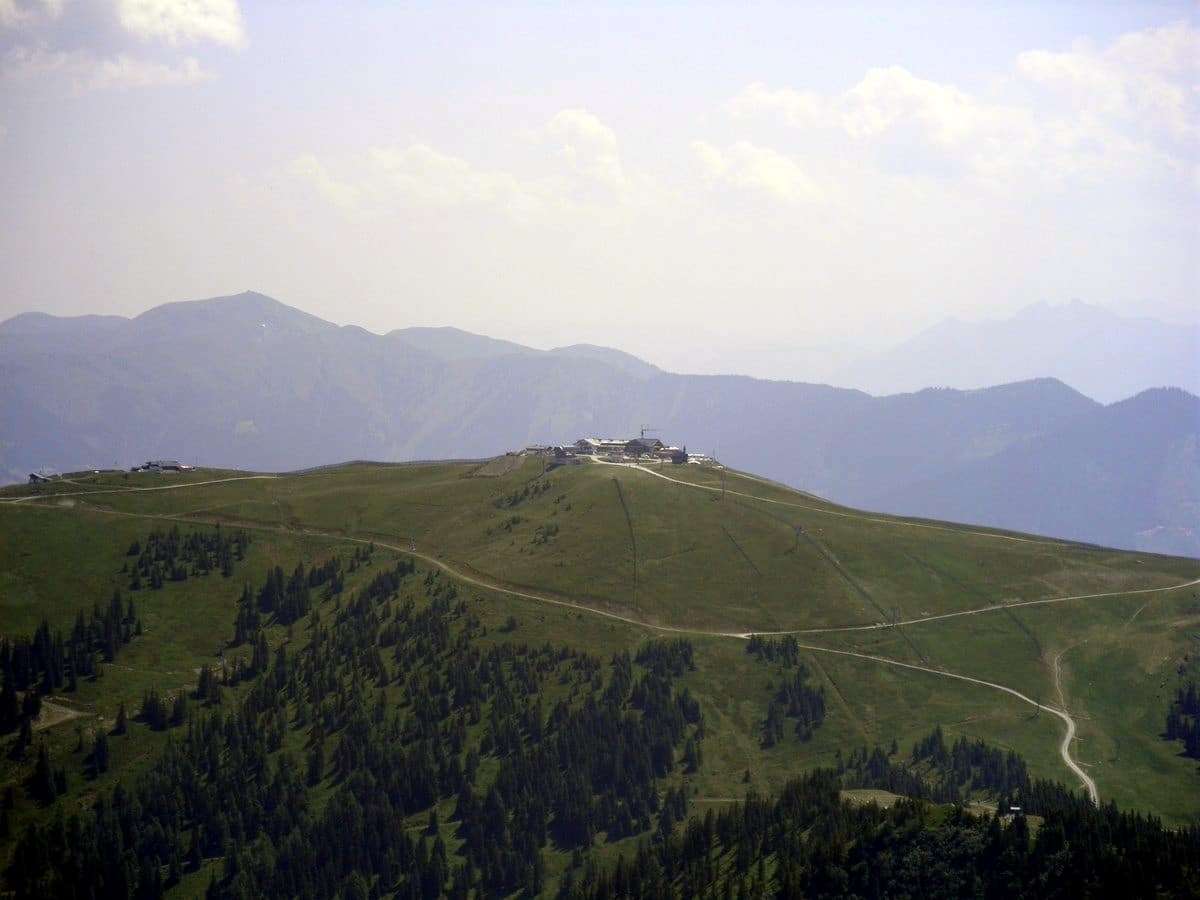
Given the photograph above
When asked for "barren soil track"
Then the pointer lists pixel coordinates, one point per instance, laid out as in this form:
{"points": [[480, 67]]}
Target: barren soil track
{"points": [[54, 713], [130, 490]]}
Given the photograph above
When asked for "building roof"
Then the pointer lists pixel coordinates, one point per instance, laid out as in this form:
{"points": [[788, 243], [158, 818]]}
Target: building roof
{"points": [[646, 443]]}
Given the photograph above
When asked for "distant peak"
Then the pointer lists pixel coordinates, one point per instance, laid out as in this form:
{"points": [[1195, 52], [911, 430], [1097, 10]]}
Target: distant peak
{"points": [[40, 322], [248, 307], [413, 330], [607, 354], [582, 346], [1160, 395], [448, 342], [617, 359], [244, 299], [1073, 307], [1041, 384]]}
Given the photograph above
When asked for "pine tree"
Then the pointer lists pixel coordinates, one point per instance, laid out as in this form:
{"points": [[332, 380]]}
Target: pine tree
{"points": [[42, 785], [316, 762], [692, 756], [100, 752], [179, 709], [10, 706]]}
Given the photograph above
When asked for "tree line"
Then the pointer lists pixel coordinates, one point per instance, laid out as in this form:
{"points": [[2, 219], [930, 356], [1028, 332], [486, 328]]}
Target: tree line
{"points": [[938, 771], [810, 842], [1183, 715]]}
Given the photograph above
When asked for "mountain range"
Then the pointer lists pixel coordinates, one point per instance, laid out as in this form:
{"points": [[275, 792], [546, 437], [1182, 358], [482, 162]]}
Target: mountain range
{"points": [[248, 382], [1105, 355]]}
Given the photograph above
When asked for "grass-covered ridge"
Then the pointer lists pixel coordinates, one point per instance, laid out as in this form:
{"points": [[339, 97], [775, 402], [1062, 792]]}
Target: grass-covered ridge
{"points": [[600, 559]]}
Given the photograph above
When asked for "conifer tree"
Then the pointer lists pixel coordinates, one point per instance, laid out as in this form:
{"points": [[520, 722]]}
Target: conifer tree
{"points": [[42, 784]]}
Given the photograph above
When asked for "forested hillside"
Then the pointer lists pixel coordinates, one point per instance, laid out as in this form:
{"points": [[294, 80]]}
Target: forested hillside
{"points": [[303, 768], [399, 751]]}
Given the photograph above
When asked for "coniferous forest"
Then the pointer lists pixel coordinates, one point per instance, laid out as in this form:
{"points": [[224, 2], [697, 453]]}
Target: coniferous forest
{"points": [[1183, 715]]}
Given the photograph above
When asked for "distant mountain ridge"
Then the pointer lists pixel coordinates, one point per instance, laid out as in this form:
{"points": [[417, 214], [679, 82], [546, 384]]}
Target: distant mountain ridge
{"points": [[1128, 467], [1104, 355], [248, 382], [454, 343]]}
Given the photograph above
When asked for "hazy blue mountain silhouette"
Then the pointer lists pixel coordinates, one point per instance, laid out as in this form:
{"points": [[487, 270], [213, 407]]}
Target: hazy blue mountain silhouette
{"points": [[1106, 356], [1129, 468]]}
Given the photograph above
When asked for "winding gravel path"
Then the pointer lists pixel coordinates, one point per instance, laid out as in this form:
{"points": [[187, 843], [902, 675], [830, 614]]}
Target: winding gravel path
{"points": [[844, 514], [132, 490], [1064, 748]]}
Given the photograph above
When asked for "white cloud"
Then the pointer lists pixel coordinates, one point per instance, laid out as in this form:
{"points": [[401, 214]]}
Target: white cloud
{"points": [[14, 14], [588, 146], [419, 175], [85, 69], [797, 107], [759, 169], [308, 168], [126, 72], [918, 124], [431, 178], [891, 97], [83, 72], [1128, 110], [184, 21], [1147, 78], [26, 63]]}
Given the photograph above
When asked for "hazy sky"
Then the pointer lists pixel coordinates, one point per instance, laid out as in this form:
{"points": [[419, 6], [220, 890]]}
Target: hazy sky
{"points": [[697, 183]]}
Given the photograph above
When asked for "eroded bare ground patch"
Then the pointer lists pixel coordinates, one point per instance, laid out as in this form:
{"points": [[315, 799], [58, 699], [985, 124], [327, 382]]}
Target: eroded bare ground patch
{"points": [[497, 467], [55, 712], [863, 796]]}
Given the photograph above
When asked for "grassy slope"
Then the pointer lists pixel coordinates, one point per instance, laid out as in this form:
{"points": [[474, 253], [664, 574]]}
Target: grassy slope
{"points": [[706, 562]]}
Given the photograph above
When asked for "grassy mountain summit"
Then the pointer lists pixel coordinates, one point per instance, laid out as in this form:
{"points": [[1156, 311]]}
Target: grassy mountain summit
{"points": [[785, 631], [898, 626]]}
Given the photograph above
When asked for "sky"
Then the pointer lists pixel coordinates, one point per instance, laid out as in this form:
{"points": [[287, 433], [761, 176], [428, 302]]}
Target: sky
{"points": [[713, 186]]}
